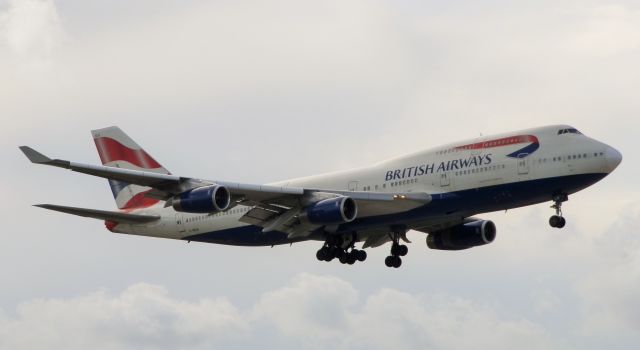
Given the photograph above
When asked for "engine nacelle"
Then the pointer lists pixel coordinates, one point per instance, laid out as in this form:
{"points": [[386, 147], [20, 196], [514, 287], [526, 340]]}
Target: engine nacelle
{"points": [[332, 211], [464, 236], [209, 199]]}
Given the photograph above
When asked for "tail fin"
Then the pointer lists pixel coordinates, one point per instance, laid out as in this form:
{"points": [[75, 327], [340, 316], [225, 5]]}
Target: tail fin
{"points": [[118, 150]]}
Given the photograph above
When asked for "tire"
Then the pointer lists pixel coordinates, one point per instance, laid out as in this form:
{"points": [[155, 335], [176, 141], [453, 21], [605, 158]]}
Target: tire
{"points": [[362, 255], [562, 222], [397, 262], [389, 261], [554, 221], [333, 252], [395, 249], [403, 250], [344, 258], [321, 254], [351, 259]]}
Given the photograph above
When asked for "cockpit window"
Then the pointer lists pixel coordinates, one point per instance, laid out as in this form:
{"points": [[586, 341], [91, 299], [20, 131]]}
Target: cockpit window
{"points": [[569, 131]]}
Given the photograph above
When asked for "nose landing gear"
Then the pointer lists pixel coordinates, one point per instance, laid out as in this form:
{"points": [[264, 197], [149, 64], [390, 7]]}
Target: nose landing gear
{"points": [[558, 221]]}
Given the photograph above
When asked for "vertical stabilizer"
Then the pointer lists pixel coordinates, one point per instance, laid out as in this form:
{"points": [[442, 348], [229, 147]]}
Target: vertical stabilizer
{"points": [[118, 150]]}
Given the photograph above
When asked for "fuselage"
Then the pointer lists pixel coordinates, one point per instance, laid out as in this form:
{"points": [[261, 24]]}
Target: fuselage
{"points": [[464, 178]]}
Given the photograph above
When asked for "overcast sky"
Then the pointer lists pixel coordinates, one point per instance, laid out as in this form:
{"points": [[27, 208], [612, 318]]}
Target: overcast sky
{"points": [[259, 91]]}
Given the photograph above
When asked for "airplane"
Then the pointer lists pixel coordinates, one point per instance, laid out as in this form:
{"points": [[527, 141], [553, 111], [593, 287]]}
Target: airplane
{"points": [[436, 191]]}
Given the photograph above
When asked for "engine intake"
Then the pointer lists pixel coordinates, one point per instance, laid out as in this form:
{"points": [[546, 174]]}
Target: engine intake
{"points": [[332, 211], [209, 199], [467, 235]]}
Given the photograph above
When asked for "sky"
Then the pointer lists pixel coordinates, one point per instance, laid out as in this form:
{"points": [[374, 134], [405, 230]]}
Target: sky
{"points": [[257, 91]]}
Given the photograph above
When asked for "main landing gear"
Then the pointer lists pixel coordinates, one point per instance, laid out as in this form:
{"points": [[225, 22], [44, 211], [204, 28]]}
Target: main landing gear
{"points": [[342, 248], [558, 221], [397, 249]]}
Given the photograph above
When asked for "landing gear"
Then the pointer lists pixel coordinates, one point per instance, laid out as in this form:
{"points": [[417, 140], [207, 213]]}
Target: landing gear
{"points": [[393, 261], [558, 221], [342, 249], [397, 249]]}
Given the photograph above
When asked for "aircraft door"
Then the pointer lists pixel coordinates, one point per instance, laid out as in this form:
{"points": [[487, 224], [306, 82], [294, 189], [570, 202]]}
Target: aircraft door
{"points": [[353, 186], [444, 180], [523, 164]]}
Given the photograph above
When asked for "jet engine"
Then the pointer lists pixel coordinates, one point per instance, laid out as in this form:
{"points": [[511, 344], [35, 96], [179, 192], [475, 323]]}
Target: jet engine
{"points": [[464, 236], [209, 199], [332, 211]]}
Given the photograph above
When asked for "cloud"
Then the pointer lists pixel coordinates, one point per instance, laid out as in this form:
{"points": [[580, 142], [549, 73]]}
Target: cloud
{"points": [[311, 311], [610, 291], [142, 316], [30, 29], [255, 91]]}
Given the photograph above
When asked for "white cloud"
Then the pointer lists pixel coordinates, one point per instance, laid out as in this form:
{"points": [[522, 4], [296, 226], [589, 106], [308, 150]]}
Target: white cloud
{"points": [[310, 312], [610, 290], [30, 29], [142, 316], [312, 308]]}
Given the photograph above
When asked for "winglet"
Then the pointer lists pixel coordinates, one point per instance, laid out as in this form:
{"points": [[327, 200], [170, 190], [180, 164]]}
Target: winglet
{"points": [[35, 156]]}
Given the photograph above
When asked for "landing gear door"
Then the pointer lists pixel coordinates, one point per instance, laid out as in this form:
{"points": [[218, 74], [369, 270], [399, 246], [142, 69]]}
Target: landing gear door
{"points": [[523, 164]]}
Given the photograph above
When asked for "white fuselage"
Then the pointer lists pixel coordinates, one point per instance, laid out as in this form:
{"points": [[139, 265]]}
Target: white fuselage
{"points": [[569, 160]]}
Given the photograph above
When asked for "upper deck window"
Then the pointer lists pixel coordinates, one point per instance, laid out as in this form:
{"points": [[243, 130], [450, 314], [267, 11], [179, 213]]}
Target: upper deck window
{"points": [[569, 131]]}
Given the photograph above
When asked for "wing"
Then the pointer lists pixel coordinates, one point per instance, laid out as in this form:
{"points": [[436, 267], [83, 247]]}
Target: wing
{"points": [[274, 207], [102, 214]]}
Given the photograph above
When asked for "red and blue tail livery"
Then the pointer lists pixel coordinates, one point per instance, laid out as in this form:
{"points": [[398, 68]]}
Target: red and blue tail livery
{"points": [[118, 150], [437, 192]]}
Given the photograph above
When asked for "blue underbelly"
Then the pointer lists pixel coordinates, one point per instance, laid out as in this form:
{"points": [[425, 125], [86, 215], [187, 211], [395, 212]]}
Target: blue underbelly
{"points": [[465, 203]]}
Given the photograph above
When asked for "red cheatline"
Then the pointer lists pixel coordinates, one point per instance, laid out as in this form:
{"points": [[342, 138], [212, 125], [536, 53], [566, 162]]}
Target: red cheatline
{"points": [[506, 141]]}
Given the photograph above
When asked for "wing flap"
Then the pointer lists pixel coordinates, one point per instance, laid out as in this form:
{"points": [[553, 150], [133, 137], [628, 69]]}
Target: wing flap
{"points": [[101, 214]]}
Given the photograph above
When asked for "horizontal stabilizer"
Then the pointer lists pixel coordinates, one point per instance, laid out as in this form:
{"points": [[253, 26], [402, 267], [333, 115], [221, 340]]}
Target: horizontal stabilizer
{"points": [[34, 156], [102, 214]]}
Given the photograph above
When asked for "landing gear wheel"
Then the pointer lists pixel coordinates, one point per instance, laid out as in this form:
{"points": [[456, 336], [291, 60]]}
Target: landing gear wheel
{"points": [[393, 261], [562, 222], [322, 254], [397, 249], [342, 248], [389, 261], [557, 221], [361, 255]]}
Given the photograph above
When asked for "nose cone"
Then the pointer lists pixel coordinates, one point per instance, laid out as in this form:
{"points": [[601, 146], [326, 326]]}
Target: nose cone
{"points": [[613, 158]]}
